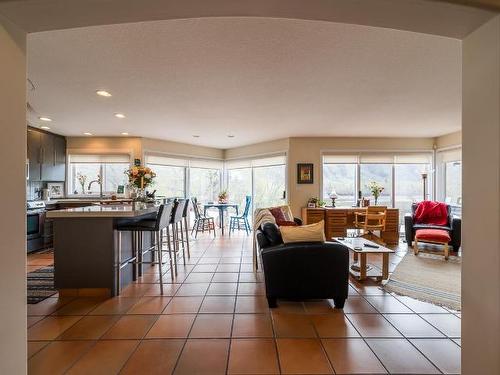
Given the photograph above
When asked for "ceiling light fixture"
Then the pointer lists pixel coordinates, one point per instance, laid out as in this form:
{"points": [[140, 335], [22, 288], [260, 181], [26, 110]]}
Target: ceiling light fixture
{"points": [[46, 119], [124, 133], [196, 136], [87, 133], [119, 115], [230, 135], [104, 93], [44, 127]]}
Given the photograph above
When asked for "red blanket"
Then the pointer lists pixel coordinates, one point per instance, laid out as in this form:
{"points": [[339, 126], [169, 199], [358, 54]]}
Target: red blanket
{"points": [[430, 212]]}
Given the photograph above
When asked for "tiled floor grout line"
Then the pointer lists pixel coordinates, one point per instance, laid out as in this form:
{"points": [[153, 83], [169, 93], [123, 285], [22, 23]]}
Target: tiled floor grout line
{"points": [[405, 338], [220, 254], [196, 315], [366, 343]]}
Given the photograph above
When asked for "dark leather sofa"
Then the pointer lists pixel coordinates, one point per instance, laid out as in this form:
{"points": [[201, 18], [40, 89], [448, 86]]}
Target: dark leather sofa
{"points": [[453, 226], [305, 270]]}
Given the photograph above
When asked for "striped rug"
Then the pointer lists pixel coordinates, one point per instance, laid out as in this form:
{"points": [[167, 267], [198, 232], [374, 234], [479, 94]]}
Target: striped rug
{"points": [[428, 277], [40, 284]]}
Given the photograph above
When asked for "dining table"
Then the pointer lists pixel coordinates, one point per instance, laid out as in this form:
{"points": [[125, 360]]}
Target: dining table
{"points": [[221, 207]]}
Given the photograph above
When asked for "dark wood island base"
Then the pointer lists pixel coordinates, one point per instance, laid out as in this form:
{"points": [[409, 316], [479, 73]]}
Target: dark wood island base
{"points": [[90, 255]]}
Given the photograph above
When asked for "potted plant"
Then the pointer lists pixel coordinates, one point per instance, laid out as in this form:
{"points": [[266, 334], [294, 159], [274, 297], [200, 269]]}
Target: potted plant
{"points": [[376, 189], [223, 197]]}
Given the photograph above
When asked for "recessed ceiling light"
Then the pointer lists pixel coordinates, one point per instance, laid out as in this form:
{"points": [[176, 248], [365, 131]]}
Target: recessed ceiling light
{"points": [[124, 133], [230, 135], [103, 93], [46, 119], [196, 136], [87, 133], [44, 127], [119, 115]]}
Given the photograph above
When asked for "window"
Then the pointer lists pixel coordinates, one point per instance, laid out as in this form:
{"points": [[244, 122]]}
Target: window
{"points": [[408, 186], [380, 173], [264, 179], [269, 186], [239, 184], [399, 174], [169, 181], [453, 183], [204, 183], [84, 171], [178, 177], [341, 179]]}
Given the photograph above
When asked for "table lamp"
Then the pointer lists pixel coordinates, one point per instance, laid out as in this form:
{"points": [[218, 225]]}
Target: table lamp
{"points": [[333, 195]]}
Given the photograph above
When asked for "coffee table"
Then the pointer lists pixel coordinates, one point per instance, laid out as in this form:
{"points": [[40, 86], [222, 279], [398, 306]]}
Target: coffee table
{"points": [[360, 271]]}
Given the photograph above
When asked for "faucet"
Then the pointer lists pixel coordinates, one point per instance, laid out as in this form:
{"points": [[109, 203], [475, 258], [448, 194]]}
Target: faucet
{"points": [[99, 181]]}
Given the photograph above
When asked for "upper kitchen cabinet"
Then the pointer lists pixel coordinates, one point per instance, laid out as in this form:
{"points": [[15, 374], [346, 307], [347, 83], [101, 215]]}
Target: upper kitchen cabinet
{"points": [[34, 155], [59, 158], [46, 156]]}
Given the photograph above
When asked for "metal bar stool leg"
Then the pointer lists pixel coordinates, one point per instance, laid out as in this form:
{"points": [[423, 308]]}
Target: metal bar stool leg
{"points": [[186, 227], [160, 258], [174, 245], [172, 250], [181, 229]]}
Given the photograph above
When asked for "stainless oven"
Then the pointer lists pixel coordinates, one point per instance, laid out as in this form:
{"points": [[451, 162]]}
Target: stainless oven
{"points": [[35, 225]]}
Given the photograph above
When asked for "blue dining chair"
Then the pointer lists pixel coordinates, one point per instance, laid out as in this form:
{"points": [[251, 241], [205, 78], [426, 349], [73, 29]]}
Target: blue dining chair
{"points": [[241, 221]]}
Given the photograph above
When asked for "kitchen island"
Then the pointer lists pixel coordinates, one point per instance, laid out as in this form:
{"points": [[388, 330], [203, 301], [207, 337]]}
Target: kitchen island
{"points": [[90, 255]]}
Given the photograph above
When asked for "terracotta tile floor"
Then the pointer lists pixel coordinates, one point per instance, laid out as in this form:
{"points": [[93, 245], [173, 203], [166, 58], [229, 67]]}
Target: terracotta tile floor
{"points": [[214, 319]]}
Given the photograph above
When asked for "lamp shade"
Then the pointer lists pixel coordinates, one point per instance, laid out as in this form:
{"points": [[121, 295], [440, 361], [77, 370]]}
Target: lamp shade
{"points": [[333, 194]]}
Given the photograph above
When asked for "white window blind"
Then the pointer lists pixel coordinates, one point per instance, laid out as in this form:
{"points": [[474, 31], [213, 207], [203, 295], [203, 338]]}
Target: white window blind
{"points": [[206, 163], [379, 158], [340, 159], [184, 162], [257, 162], [166, 160], [446, 156], [99, 158]]}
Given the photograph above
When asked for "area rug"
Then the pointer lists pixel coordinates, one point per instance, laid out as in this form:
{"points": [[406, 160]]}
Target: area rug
{"points": [[429, 278], [40, 284]]}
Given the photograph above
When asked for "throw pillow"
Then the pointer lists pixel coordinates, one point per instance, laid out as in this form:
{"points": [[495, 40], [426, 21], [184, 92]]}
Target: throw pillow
{"points": [[277, 212], [286, 223], [305, 233], [272, 233]]}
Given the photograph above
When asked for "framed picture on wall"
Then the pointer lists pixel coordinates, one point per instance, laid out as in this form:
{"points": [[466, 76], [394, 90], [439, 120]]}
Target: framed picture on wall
{"points": [[56, 189], [305, 173]]}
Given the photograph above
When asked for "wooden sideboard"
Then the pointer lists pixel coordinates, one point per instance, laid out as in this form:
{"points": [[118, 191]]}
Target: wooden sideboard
{"points": [[338, 220]]}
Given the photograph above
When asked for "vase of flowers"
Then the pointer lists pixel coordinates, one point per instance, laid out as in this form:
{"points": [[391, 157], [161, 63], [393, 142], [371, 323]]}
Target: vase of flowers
{"points": [[139, 178], [376, 189], [223, 197], [82, 179]]}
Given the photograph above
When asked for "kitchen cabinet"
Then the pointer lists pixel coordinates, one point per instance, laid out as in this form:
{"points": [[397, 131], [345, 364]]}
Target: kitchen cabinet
{"points": [[46, 156], [48, 160], [34, 155]]}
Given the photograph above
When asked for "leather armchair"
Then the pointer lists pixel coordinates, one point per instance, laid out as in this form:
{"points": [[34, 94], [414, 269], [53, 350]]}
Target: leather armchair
{"points": [[306, 270], [453, 226]]}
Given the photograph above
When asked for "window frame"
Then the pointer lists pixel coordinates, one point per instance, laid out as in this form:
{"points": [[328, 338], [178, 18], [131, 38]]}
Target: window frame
{"points": [[98, 153], [358, 156]]}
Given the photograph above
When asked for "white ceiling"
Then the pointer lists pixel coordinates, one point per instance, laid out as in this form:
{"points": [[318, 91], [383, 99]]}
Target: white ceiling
{"points": [[257, 78]]}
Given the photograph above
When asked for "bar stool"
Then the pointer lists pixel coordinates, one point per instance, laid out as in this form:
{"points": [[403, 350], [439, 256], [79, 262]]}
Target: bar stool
{"points": [[185, 226], [155, 227], [176, 223]]}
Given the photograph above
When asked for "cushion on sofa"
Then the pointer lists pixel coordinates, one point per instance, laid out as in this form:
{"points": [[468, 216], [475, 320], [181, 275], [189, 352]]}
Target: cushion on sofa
{"points": [[272, 233], [304, 233]]}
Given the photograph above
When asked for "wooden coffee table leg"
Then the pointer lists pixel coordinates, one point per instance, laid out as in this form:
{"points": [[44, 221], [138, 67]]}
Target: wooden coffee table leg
{"points": [[385, 266], [355, 256], [362, 266]]}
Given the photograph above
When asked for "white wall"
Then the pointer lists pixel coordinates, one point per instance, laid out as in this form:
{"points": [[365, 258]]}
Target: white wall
{"points": [[13, 192], [481, 192]]}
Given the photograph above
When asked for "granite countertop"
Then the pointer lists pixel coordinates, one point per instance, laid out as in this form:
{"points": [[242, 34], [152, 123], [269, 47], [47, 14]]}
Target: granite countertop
{"points": [[97, 211], [85, 200]]}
